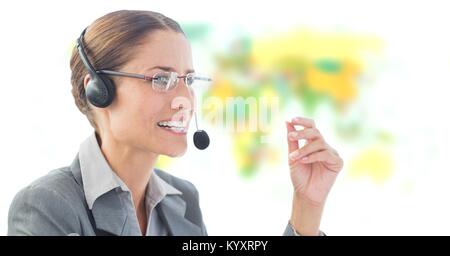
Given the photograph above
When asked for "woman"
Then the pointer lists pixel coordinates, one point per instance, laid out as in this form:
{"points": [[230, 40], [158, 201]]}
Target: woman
{"points": [[131, 77]]}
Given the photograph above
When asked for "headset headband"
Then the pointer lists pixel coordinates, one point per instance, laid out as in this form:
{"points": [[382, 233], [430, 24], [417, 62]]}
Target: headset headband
{"points": [[83, 54]]}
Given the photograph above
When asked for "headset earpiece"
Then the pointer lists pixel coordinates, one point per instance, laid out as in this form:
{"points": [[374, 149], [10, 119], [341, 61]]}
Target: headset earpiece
{"points": [[100, 90]]}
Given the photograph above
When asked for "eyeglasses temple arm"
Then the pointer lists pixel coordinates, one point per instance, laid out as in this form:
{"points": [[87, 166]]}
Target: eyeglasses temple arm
{"points": [[117, 73]]}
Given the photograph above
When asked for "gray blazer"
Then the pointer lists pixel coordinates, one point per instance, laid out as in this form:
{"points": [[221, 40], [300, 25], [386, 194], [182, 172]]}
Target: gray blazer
{"points": [[55, 205]]}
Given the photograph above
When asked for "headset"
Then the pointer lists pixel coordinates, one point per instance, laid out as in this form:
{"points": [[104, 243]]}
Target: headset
{"points": [[100, 90]]}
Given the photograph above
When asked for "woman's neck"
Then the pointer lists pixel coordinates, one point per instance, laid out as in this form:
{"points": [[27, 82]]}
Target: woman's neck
{"points": [[132, 165]]}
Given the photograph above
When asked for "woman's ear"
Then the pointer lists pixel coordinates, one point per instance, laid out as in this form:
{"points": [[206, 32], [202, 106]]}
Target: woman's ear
{"points": [[86, 80]]}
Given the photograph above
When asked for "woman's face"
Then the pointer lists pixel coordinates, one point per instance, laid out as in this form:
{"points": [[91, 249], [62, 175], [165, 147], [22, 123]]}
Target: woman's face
{"points": [[134, 118]]}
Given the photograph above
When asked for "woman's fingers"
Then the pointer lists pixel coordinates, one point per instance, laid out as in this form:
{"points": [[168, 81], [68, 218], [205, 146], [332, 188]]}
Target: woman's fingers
{"points": [[305, 122], [316, 150], [292, 145], [307, 133], [325, 156], [317, 145], [321, 156]]}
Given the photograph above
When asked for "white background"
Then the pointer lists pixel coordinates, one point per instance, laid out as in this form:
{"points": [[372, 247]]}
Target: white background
{"points": [[41, 128]]}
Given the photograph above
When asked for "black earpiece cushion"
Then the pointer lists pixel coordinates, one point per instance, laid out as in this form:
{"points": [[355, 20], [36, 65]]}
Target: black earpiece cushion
{"points": [[100, 91]]}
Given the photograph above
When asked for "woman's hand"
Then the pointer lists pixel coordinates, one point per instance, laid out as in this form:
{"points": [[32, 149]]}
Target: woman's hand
{"points": [[313, 168]]}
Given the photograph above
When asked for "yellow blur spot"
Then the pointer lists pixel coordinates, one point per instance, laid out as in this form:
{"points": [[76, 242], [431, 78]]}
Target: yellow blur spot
{"points": [[222, 89], [339, 85], [375, 163], [270, 95], [311, 46]]}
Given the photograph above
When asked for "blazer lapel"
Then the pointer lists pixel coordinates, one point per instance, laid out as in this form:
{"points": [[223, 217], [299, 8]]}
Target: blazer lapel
{"points": [[172, 210], [108, 215]]}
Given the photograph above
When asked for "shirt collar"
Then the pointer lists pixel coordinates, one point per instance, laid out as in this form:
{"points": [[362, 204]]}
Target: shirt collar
{"points": [[99, 178], [158, 189]]}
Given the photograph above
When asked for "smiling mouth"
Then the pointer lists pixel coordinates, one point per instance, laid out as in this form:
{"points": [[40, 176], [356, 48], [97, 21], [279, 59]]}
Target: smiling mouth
{"points": [[174, 126]]}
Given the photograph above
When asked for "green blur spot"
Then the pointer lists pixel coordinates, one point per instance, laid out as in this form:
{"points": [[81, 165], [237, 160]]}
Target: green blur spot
{"points": [[196, 32], [329, 66]]}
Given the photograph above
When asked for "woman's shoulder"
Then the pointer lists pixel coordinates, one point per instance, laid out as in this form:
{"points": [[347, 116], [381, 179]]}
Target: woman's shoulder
{"points": [[60, 182], [46, 206]]}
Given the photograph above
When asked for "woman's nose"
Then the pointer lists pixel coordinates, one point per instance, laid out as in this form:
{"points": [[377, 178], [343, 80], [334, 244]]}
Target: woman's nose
{"points": [[183, 108], [186, 92], [182, 102]]}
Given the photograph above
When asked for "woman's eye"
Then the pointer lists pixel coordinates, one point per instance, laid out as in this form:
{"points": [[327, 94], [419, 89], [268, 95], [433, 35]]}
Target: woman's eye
{"points": [[189, 80], [162, 79], [160, 82]]}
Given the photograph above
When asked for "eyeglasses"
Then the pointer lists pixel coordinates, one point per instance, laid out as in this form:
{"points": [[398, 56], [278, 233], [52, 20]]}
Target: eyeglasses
{"points": [[161, 81]]}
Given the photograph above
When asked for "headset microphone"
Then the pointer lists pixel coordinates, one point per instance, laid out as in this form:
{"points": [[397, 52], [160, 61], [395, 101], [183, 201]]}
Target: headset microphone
{"points": [[201, 138]]}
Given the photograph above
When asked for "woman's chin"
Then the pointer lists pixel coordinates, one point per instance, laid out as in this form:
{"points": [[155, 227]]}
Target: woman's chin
{"points": [[174, 150]]}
